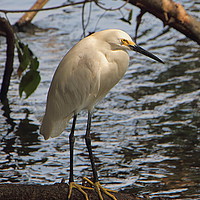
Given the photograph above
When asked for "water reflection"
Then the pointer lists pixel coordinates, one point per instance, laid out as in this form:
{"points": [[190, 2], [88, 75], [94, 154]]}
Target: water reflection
{"points": [[17, 145], [6, 113]]}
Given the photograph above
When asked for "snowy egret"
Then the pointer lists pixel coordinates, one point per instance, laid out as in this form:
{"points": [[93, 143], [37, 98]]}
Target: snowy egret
{"points": [[84, 76]]}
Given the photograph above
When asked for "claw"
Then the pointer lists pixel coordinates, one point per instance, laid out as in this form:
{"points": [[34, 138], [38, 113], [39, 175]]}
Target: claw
{"points": [[100, 189], [80, 188]]}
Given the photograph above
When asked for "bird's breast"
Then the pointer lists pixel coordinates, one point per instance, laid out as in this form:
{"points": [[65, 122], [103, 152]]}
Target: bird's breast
{"points": [[117, 64], [112, 70]]}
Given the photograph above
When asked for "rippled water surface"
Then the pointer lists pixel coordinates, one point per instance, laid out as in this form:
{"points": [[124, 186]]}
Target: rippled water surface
{"points": [[145, 133]]}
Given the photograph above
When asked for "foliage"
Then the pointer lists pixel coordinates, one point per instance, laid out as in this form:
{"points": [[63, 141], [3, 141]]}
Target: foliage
{"points": [[28, 70]]}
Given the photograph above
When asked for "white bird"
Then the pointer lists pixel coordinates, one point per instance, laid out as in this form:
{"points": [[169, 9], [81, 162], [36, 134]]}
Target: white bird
{"points": [[84, 76]]}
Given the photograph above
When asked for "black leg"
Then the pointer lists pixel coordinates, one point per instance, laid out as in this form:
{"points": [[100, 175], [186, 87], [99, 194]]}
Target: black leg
{"points": [[71, 175], [71, 143], [89, 147], [97, 186]]}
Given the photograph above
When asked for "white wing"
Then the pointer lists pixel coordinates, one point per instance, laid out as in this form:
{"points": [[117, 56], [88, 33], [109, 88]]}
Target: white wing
{"points": [[75, 83]]}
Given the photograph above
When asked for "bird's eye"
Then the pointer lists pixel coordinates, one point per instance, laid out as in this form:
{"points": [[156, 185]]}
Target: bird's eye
{"points": [[124, 42]]}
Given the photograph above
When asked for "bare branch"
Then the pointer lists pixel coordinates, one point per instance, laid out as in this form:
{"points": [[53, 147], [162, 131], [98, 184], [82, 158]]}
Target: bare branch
{"points": [[110, 9], [44, 9], [172, 14], [7, 31]]}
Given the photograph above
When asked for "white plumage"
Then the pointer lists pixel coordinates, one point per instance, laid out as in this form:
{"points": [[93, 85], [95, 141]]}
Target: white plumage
{"points": [[84, 76]]}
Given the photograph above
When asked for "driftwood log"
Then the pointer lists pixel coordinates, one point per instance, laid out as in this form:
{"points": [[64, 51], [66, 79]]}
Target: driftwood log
{"points": [[24, 23], [28, 16]]}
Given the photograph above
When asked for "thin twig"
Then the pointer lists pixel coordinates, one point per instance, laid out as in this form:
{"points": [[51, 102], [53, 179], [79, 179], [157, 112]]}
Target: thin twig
{"points": [[89, 16], [99, 19], [83, 25], [110, 9], [44, 9]]}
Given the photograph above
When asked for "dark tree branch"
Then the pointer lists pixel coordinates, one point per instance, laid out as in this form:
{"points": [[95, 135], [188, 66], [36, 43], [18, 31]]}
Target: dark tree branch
{"points": [[138, 20], [172, 14], [7, 31]]}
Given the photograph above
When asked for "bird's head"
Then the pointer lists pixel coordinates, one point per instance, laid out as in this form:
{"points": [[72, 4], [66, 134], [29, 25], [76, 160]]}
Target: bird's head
{"points": [[130, 45], [120, 40]]}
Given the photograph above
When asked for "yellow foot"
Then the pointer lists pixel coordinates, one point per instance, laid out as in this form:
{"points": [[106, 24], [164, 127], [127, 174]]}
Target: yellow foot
{"points": [[100, 189], [80, 188]]}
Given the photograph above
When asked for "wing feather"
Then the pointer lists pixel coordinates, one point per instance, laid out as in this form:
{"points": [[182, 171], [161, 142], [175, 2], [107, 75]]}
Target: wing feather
{"points": [[75, 83]]}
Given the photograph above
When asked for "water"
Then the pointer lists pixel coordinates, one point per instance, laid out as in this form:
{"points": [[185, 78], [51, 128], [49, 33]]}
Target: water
{"points": [[145, 133]]}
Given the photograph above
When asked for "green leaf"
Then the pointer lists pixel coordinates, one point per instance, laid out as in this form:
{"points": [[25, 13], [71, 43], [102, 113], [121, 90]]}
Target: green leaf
{"points": [[29, 83], [34, 64], [130, 15], [28, 66], [20, 54], [25, 56], [23, 46]]}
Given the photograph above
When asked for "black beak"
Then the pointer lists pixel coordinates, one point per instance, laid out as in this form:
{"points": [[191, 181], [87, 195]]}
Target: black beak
{"points": [[144, 52]]}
